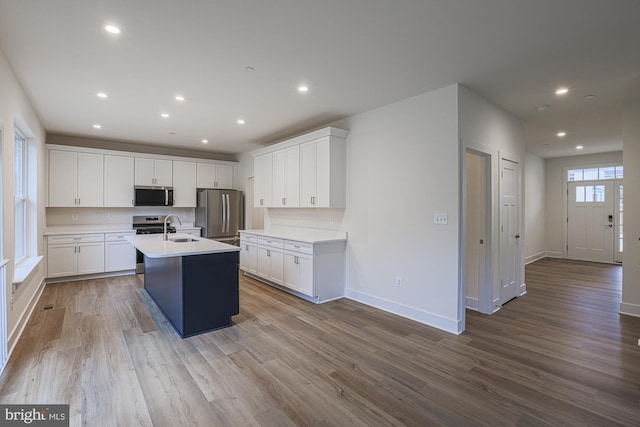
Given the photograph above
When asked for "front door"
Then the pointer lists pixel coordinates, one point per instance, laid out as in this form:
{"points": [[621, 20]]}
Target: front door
{"points": [[509, 230], [591, 220]]}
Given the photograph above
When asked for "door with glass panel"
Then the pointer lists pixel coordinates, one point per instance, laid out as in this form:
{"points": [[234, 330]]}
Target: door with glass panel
{"points": [[591, 220]]}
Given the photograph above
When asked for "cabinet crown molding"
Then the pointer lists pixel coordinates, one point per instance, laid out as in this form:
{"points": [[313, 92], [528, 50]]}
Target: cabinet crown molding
{"points": [[328, 131]]}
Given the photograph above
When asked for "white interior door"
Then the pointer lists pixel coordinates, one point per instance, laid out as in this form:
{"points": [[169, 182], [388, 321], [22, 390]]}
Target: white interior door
{"points": [[591, 220], [509, 230]]}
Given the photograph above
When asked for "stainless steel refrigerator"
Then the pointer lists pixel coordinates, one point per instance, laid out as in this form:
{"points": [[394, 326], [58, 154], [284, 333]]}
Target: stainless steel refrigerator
{"points": [[220, 215]]}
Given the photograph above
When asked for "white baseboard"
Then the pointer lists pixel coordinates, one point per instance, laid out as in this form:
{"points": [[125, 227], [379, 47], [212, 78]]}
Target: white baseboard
{"points": [[24, 318], [534, 258], [472, 303], [430, 319], [89, 276], [553, 254], [630, 309]]}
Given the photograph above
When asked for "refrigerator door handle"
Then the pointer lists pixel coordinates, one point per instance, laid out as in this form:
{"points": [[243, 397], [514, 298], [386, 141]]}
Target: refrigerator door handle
{"points": [[228, 212], [224, 212]]}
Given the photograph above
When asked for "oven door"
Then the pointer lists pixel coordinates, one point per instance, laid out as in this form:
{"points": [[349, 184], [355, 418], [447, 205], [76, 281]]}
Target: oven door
{"points": [[139, 262]]}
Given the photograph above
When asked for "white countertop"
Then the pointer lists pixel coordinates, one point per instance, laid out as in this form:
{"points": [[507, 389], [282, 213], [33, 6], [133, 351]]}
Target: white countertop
{"points": [[153, 246], [302, 235]]}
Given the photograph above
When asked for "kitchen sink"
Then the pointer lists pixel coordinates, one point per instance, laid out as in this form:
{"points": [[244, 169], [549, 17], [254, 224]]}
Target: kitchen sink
{"points": [[183, 239]]}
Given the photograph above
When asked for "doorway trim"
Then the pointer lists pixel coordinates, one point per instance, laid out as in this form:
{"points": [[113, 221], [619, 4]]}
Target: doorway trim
{"points": [[486, 290]]}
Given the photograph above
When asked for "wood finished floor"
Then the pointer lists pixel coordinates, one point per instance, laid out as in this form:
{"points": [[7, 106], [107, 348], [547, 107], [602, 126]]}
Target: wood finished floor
{"points": [[560, 355]]}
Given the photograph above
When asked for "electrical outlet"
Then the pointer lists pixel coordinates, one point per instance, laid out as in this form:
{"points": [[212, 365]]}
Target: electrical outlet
{"points": [[99, 216], [440, 218], [109, 216], [74, 217], [398, 281]]}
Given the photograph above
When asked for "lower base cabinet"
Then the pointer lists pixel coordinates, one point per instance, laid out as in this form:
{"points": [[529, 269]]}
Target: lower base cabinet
{"points": [[119, 254], [315, 271], [271, 264], [69, 255]]}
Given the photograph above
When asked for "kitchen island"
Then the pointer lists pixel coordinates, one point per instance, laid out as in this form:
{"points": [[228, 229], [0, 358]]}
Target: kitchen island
{"points": [[194, 281]]}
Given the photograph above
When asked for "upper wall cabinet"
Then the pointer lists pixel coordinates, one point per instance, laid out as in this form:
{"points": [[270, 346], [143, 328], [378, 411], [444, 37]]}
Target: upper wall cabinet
{"points": [[262, 178], [75, 179], [214, 176], [323, 173], [153, 172], [286, 178], [306, 171], [184, 184], [118, 181]]}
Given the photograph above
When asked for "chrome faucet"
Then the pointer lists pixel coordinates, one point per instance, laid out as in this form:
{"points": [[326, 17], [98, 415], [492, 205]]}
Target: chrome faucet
{"points": [[164, 234]]}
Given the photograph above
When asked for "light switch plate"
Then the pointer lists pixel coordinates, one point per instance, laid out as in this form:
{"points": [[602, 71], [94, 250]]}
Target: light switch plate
{"points": [[440, 218]]}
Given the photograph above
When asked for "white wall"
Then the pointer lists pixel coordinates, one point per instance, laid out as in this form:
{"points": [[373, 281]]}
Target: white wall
{"points": [[555, 181], [15, 106], [534, 207], [402, 167], [631, 262], [486, 128]]}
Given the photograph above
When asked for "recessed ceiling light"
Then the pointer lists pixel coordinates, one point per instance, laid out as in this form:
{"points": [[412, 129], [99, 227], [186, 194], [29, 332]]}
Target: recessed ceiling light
{"points": [[562, 91], [561, 134], [97, 126], [590, 96], [303, 88], [579, 147], [164, 115], [112, 29], [249, 69], [179, 98], [240, 121], [541, 108], [205, 141], [172, 133], [546, 144], [101, 95]]}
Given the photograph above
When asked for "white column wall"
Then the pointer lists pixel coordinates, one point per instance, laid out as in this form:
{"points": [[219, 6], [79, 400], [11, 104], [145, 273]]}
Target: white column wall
{"points": [[534, 213], [631, 261]]}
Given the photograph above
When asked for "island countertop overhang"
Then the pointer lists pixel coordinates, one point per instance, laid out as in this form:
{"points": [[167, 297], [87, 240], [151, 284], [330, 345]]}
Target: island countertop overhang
{"points": [[152, 245]]}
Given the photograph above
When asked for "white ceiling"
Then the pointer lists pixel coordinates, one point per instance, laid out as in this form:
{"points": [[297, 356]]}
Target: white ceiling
{"points": [[355, 55]]}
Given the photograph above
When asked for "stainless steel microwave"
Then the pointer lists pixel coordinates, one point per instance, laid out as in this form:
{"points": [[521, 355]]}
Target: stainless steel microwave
{"points": [[153, 196]]}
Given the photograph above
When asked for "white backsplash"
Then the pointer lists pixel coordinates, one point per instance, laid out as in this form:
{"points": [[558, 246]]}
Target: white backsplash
{"points": [[101, 216], [314, 218]]}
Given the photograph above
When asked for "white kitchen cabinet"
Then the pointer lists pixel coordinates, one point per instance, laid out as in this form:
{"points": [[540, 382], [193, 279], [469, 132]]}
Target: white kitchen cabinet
{"points": [[75, 179], [249, 253], [215, 176], [153, 172], [323, 173], [69, 255], [286, 178], [184, 184], [118, 181], [314, 269], [271, 259], [119, 254], [298, 267], [262, 172]]}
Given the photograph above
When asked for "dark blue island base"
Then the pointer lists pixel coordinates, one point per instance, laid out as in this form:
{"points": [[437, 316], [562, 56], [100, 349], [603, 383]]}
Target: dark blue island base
{"points": [[196, 293]]}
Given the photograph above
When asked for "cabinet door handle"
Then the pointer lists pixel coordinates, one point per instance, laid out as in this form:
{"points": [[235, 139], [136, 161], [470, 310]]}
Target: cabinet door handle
{"points": [[268, 252], [215, 184], [284, 200], [78, 201], [313, 200], [79, 249], [75, 249], [261, 202]]}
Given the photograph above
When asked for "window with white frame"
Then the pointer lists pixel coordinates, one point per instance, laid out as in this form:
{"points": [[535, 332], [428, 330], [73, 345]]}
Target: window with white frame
{"points": [[20, 197]]}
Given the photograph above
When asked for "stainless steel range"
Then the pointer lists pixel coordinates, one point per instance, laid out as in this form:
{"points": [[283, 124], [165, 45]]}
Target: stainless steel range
{"points": [[149, 224]]}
